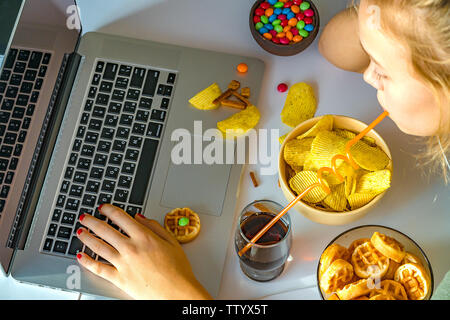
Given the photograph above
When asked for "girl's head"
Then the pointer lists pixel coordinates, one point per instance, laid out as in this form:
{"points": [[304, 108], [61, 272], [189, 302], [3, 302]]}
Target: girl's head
{"points": [[408, 42]]}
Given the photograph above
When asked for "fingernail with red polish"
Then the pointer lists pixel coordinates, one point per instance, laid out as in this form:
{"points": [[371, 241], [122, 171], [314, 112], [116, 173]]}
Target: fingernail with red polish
{"points": [[100, 207], [79, 231], [79, 256], [82, 217], [140, 215]]}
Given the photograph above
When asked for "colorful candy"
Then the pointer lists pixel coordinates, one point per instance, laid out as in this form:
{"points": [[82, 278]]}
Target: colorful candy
{"points": [[242, 68], [282, 87], [284, 21]]}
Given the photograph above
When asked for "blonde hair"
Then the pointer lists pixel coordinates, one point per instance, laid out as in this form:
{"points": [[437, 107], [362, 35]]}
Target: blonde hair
{"points": [[423, 27]]}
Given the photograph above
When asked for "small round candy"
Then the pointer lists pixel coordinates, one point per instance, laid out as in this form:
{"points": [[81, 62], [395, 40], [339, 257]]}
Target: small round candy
{"points": [[276, 40], [289, 35], [277, 11], [308, 20], [286, 29], [264, 5], [297, 38], [183, 222], [309, 13], [303, 33], [284, 23], [285, 40], [264, 19], [290, 15], [278, 28], [276, 22], [282, 87], [281, 35], [269, 12], [294, 31], [272, 2], [297, 2], [300, 16], [282, 17], [258, 26], [268, 36], [272, 18], [309, 27], [301, 24], [288, 4], [295, 9], [305, 6], [273, 33], [279, 4], [268, 26], [286, 11], [292, 22], [256, 19], [263, 30], [260, 12]]}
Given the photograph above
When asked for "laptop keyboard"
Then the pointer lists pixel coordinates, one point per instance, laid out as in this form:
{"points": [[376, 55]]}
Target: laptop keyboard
{"points": [[113, 150], [20, 83]]}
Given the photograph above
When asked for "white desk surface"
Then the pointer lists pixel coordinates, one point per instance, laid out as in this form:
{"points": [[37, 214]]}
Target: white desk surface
{"points": [[417, 203]]}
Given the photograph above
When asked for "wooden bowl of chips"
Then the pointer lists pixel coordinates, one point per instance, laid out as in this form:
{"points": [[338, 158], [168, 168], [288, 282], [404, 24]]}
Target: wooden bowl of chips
{"points": [[360, 191]]}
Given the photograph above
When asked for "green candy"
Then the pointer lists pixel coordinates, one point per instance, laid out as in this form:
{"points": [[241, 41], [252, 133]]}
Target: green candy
{"points": [[276, 22], [264, 19], [259, 25], [183, 222], [278, 28], [279, 5], [303, 33], [300, 25], [305, 6]]}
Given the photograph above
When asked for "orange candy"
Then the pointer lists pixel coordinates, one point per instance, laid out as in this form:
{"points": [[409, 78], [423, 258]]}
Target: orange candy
{"points": [[286, 29], [289, 35], [269, 12], [295, 9], [242, 67], [281, 35], [267, 35], [297, 38], [292, 22]]}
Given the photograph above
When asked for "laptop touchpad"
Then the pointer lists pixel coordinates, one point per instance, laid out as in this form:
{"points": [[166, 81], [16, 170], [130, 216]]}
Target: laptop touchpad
{"points": [[200, 187]]}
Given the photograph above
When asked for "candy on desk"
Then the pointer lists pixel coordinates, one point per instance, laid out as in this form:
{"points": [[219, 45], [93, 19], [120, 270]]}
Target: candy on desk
{"points": [[242, 68], [282, 87]]}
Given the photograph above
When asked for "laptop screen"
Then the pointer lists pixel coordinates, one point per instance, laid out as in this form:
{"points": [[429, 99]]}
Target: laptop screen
{"points": [[9, 13]]}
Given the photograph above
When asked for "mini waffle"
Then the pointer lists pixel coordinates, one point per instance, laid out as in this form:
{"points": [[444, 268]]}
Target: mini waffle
{"points": [[184, 233]]}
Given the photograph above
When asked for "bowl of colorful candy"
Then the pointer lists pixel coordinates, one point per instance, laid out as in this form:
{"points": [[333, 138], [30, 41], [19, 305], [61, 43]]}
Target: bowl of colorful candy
{"points": [[284, 27]]}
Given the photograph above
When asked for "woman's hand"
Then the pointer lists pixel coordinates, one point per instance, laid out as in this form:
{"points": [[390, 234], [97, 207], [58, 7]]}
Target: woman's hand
{"points": [[149, 263]]}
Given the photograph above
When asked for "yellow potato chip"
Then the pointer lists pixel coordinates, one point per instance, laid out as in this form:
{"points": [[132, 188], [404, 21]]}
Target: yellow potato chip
{"points": [[369, 158], [374, 182], [325, 146], [345, 133], [370, 141], [324, 124], [358, 200], [344, 169], [204, 99], [349, 184], [300, 105], [296, 151], [239, 123], [283, 137], [302, 180], [336, 199]]}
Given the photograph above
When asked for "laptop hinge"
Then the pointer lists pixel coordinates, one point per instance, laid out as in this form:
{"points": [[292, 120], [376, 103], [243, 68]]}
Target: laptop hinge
{"points": [[43, 152]]}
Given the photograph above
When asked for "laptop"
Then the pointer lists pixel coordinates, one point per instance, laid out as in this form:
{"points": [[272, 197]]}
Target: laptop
{"points": [[87, 119]]}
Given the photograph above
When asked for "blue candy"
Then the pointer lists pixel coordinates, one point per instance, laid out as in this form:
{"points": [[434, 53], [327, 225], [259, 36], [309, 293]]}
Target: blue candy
{"points": [[272, 18], [286, 10], [290, 15], [309, 27], [272, 2], [268, 26], [277, 11], [263, 30]]}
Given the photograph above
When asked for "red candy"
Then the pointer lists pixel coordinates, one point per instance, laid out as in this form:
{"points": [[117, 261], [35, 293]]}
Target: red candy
{"points": [[265, 5], [282, 87], [309, 12], [260, 12], [288, 4], [285, 40], [273, 33], [300, 16], [297, 2], [308, 20], [282, 17], [284, 23], [256, 19], [294, 31], [276, 40]]}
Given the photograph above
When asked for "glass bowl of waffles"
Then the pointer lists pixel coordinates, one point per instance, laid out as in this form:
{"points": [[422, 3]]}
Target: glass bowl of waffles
{"points": [[311, 146], [374, 263]]}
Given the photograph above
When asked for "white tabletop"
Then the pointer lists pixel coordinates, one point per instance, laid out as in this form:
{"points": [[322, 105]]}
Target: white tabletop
{"points": [[417, 204]]}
